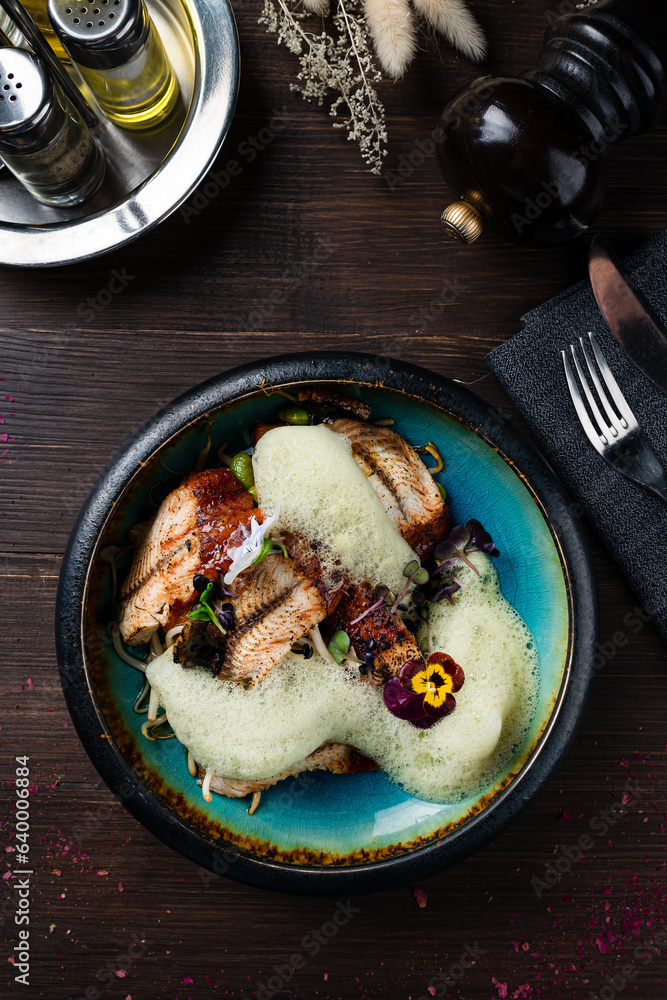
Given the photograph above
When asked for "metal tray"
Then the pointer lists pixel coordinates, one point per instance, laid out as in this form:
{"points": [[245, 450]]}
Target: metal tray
{"points": [[148, 174]]}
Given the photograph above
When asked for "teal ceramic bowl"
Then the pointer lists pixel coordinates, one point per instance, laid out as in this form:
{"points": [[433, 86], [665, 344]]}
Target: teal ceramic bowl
{"points": [[321, 832]]}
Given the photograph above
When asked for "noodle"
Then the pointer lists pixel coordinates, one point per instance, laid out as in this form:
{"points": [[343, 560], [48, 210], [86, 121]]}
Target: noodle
{"points": [[171, 635]]}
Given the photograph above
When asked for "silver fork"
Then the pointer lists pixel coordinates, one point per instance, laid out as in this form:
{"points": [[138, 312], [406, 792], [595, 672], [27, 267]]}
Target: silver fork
{"points": [[613, 430]]}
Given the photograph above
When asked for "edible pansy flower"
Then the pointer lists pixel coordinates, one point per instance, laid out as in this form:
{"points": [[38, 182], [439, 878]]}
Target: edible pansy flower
{"points": [[423, 693], [252, 546]]}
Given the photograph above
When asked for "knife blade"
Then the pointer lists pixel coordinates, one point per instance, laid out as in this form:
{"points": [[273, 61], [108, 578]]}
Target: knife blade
{"points": [[627, 313]]}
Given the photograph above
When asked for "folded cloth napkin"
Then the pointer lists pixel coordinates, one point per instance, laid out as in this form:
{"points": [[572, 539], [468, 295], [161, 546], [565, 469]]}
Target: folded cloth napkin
{"points": [[631, 522]]}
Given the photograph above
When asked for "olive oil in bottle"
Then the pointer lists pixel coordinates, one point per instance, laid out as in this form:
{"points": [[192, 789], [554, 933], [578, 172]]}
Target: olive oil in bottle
{"points": [[37, 11], [120, 56]]}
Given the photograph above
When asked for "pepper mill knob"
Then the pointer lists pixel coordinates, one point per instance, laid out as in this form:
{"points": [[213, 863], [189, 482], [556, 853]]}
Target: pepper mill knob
{"points": [[462, 221]]}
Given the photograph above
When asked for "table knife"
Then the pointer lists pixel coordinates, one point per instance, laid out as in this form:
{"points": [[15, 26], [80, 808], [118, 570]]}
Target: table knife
{"points": [[627, 313]]}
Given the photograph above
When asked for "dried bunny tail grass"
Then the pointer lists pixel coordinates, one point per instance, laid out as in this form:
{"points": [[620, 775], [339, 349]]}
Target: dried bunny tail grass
{"points": [[457, 24], [393, 31], [316, 6]]}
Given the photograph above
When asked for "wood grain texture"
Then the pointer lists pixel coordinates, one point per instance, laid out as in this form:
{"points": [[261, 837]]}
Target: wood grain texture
{"points": [[243, 280]]}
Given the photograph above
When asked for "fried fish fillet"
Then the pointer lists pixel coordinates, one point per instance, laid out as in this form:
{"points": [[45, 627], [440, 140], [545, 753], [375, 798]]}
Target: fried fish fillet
{"points": [[395, 644], [339, 758], [275, 604], [402, 482], [191, 533]]}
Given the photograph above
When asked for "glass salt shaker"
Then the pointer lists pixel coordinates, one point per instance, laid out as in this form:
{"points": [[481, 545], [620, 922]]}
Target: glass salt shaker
{"points": [[43, 139], [119, 54]]}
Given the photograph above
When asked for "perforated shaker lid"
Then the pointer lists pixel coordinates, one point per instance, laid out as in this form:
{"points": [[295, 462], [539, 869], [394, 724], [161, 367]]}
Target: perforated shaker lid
{"points": [[26, 101], [100, 35]]}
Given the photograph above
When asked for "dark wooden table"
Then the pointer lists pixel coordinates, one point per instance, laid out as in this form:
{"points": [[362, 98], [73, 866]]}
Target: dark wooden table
{"points": [[305, 250]]}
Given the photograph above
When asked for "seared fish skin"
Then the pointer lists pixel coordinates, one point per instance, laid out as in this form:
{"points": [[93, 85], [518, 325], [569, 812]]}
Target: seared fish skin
{"points": [[402, 482], [395, 644], [323, 396], [275, 604], [191, 533], [305, 553]]}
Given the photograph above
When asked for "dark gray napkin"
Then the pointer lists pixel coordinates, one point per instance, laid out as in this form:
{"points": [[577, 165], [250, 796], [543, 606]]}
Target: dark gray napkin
{"points": [[631, 523]]}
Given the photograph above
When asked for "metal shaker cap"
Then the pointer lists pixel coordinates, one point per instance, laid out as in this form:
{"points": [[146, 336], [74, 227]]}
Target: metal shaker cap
{"points": [[27, 102], [102, 34]]}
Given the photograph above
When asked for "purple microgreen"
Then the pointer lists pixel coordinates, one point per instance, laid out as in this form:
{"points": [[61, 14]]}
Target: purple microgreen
{"points": [[480, 539], [225, 592], [368, 611], [445, 593]]}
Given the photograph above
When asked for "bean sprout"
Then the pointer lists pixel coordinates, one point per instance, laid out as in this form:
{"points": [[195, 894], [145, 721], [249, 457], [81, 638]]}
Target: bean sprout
{"points": [[206, 786], [153, 705], [192, 764], [430, 449], [203, 454], [256, 796], [320, 645]]}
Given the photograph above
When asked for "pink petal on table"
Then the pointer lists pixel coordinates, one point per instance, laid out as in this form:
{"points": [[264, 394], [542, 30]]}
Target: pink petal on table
{"points": [[602, 945], [431, 990], [502, 989], [187, 980], [31, 685], [121, 973], [120, 886], [420, 896]]}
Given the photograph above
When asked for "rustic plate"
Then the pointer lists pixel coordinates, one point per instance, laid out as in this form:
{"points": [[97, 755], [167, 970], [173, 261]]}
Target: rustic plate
{"points": [[323, 832]]}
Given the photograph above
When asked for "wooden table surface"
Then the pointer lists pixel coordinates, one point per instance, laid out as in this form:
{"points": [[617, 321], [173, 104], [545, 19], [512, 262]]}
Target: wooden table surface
{"points": [[306, 250]]}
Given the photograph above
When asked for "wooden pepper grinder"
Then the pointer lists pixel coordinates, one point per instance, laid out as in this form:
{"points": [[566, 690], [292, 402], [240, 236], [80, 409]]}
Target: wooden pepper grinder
{"points": [[528, 154]]}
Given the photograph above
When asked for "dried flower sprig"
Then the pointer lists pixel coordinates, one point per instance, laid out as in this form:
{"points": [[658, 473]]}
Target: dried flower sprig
{"points": [[342, 63]]}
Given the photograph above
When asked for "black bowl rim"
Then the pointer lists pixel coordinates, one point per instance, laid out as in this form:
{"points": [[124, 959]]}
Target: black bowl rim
{"points": [[371, 372]]}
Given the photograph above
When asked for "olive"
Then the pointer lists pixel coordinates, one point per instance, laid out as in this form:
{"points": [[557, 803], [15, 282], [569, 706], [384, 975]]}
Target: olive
{"points": [[242, 468], [294, 415]]}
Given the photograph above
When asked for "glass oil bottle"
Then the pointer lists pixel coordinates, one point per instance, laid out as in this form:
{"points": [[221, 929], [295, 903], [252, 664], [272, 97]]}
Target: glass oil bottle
{"points": [[44, 141], [120, 56]]}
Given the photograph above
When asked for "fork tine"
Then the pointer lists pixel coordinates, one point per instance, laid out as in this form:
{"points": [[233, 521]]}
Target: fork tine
{"points": [[612, 384], [607, 430], [618, 424], [597, 440]]}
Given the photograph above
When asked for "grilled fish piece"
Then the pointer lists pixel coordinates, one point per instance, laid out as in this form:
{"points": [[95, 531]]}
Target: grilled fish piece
{"points": [[322, 396], [275, 605], [395, 644], [192, 532], [402, 482], [305, 553], [336, 757]]}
